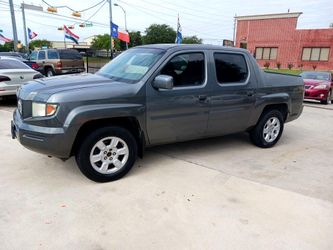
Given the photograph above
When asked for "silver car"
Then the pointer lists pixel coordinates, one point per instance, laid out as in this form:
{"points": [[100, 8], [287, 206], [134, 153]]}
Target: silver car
{"points": [[13, 73]]}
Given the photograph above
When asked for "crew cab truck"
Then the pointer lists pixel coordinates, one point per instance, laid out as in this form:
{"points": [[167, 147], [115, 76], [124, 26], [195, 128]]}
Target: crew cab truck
{"points": [[152, 95]]}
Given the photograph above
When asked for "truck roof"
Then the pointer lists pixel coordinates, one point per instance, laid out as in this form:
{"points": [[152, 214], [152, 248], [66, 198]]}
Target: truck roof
{"points": [[168, 46]]}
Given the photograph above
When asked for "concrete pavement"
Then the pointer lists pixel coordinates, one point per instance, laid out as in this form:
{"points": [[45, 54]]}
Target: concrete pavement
{"points": [[221, 193]]}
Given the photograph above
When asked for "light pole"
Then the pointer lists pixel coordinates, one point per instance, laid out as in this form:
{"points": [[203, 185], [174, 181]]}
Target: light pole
{"points": [[125, 19]]}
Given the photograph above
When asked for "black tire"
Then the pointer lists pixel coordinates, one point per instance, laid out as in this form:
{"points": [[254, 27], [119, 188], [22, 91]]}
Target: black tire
{"points": [[49, 72], [83, 153], [257, 133]]}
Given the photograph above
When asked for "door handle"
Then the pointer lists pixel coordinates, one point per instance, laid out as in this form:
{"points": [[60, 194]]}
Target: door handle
{"points": [[202, 98], [250, 93]]}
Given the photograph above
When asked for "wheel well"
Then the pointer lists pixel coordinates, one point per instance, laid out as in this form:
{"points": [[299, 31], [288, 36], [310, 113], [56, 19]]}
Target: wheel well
{"points": [[130, 123], [46, 68], [282, 107]]}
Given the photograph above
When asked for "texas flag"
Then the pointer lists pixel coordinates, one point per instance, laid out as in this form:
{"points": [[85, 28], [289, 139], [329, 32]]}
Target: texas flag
{"points": [[31, 34], [121, 35]]}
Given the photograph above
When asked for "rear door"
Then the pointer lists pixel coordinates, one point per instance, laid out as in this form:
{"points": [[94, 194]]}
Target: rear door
{"points": [[180, 113], [233, 93], [71, 60]]}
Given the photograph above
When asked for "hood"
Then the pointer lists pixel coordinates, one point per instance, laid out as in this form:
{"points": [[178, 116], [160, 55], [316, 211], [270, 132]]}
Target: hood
{"points": [[45, 87], [313, 82]]}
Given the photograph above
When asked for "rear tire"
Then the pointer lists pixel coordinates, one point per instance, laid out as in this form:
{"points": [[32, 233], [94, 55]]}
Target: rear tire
{"points": [[268, 130], [49, 72], [107, 154]]}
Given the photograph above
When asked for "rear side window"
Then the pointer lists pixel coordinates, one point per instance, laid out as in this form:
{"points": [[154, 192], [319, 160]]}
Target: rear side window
{"points": [[52, 54], [230, 68], [186, 69], [12, 64], [69, 54], [41, 55]]}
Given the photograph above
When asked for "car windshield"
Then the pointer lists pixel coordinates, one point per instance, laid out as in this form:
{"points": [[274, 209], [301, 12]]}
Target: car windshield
{"points": [[131, 65], [316, 75]]}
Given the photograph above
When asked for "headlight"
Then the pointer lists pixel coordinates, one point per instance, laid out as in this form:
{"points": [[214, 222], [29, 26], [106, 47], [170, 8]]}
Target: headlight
{"points": [[321, 86], [43, 109]]}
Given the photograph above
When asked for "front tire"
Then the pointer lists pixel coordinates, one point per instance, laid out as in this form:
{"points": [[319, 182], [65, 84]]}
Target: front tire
{"points": [[268, 130], [107, 154], [328, 99]]}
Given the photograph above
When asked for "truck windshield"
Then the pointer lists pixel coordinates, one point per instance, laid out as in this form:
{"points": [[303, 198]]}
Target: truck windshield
{"points": [[132, 65], [316, 75]]}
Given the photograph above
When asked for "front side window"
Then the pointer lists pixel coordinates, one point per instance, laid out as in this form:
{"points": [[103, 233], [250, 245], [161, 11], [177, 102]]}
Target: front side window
{"points": [[230, 68], [132, 65], [33, 56], [186, 69], [41, 55]]}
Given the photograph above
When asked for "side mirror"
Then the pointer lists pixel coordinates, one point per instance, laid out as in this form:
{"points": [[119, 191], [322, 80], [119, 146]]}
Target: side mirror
{"points": [[163, 82]]}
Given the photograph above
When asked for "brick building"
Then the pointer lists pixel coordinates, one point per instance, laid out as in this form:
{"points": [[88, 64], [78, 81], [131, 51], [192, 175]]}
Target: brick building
{"points": [[274, 38]]}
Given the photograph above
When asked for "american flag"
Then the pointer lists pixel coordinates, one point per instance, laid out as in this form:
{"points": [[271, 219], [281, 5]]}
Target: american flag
{"points": [[5, 39]]}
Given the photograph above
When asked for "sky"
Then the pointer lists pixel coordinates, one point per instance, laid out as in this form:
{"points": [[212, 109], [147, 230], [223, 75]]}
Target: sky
{"points": [[211, 20]]}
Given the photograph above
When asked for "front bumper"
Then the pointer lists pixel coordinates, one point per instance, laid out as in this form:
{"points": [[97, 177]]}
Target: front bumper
{"points": [[45, 140], [316, 94]]}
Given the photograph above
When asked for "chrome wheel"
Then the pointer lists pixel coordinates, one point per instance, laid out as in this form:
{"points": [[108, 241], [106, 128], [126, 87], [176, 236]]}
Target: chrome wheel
{"points": [[109, 155], [271, 129]]}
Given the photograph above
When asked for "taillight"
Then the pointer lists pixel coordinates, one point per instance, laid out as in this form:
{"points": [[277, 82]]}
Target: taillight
{"points": [[34, 66], [38, 76], [59, 64], [4, 78]]}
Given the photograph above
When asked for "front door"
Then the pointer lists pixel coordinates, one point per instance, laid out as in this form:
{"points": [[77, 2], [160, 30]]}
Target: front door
{"points": [[180, 113]]}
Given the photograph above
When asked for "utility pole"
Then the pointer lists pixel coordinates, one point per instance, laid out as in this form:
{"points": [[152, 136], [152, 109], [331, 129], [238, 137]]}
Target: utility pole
{"points": [[111, 46], [12, 13], [25, 29], [234, 35]]}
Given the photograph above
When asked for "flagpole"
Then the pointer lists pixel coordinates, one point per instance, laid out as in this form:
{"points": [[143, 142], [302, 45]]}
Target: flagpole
{"points": [[64, 38], [111, 46]]}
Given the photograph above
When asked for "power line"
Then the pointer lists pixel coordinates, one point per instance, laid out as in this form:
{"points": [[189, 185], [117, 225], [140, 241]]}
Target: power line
{"points": [[65, 6]]}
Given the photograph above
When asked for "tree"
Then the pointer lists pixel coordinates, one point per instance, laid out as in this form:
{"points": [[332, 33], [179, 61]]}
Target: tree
{"points": [[192, 40], [135, 39], [159, 33], [7, 47], [103, 42], [38, 43]]}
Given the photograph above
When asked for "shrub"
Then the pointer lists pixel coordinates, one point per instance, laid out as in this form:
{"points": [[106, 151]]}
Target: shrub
{"points": [[278, 65], [314, 67], [266, 65], [300, 66], [290, 66]]}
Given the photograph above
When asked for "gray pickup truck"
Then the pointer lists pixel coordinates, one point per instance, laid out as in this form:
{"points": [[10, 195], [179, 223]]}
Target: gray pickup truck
{"points": [[152, 95]]}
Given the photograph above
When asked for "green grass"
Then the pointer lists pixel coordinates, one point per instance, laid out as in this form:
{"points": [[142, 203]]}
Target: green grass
{"points": [[285, 71]]}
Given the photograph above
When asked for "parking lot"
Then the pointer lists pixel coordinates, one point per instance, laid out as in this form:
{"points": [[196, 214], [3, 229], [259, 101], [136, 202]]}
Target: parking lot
{"points": [[221, 193]]}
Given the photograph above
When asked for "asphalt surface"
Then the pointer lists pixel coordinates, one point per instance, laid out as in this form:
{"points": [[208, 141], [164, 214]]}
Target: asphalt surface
{"points": [[220, 193]]}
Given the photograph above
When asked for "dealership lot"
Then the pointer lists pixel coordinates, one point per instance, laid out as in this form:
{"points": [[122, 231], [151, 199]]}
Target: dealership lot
{"points": [[209, 194]]}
